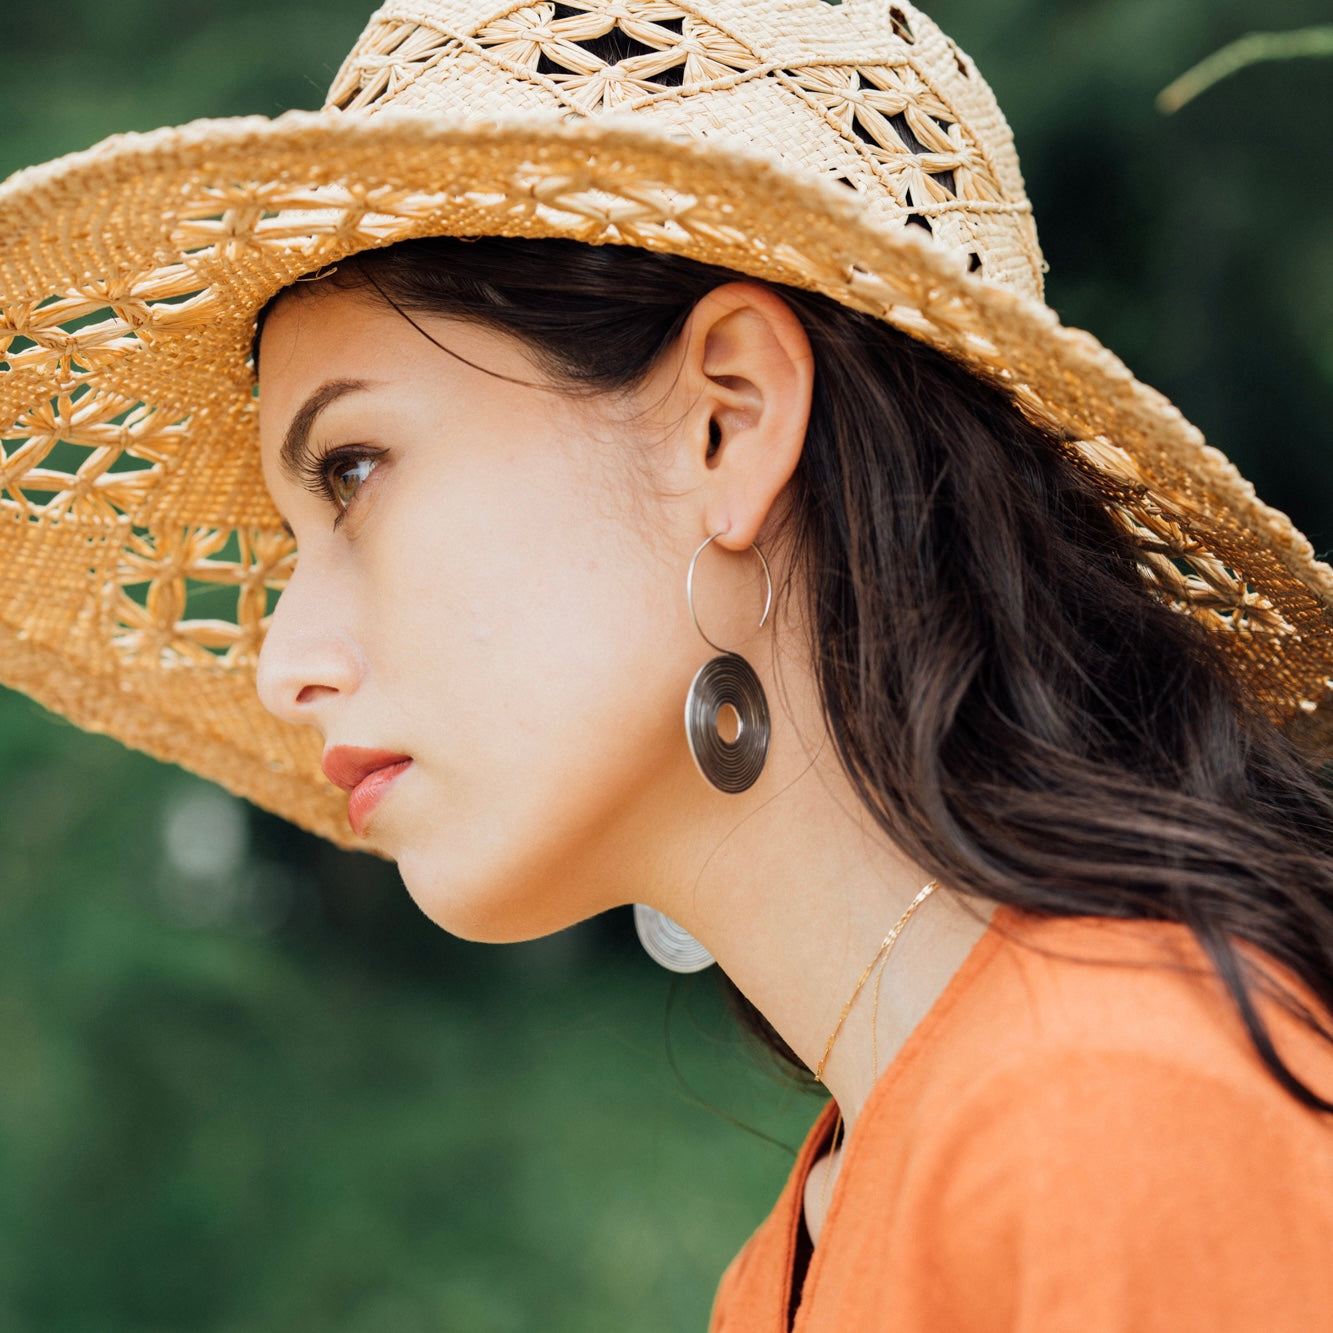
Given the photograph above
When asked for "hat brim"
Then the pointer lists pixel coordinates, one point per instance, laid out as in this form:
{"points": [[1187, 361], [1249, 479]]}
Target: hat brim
{"points": [[139, 579]]}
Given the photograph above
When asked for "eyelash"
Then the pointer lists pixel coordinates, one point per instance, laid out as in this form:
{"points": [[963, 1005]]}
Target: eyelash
{"points": [[319, 469]]}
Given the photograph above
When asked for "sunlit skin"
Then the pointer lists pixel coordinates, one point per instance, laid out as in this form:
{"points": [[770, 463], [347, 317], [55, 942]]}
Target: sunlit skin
{"points": [[502, 599]]}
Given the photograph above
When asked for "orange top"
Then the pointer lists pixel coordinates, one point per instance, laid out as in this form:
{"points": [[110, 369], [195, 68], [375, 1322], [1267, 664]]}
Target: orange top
{"points": [[1073, 1140]]}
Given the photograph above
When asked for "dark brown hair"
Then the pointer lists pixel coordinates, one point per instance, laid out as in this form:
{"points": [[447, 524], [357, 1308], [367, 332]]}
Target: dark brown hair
{"points": [[1017, 708]]}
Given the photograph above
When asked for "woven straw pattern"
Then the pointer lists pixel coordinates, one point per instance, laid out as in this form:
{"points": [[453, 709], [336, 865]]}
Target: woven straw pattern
{"points": [[871, 95], [851, 151]]}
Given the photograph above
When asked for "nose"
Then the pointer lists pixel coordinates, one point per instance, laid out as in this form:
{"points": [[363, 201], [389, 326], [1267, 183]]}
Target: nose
{"points": [[309, 660]]}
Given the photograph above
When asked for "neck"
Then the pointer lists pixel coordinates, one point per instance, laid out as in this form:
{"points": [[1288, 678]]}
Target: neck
{"points": [[795, 895]]}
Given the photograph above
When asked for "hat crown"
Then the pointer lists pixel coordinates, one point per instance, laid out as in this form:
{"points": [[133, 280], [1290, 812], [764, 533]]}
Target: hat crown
{"points": [[870, 94]]}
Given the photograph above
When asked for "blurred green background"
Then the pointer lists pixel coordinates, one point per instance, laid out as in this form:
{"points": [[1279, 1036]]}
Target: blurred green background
{"points": [[244, 1085]]}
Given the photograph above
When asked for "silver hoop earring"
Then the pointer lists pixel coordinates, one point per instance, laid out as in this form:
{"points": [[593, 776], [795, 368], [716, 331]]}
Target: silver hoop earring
{"points": [[727, 681], [668, 943]]}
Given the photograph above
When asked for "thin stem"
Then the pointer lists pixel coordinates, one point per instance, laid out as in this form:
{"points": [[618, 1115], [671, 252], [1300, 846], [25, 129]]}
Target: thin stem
{"points": [[1248, 50]]}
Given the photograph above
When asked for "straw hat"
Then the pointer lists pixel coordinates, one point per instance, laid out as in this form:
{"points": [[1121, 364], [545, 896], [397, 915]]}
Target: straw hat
{"points": [[850, 150]]}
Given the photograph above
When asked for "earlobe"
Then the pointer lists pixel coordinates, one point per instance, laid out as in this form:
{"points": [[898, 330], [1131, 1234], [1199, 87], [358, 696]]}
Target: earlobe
{"points": [[749, 360]]}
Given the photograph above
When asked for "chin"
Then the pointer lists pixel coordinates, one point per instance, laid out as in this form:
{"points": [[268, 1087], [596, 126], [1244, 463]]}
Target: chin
{"points": [[492, 908]]}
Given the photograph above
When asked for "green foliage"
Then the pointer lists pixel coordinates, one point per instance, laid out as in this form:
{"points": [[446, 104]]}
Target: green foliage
{"points": [[268, 1095]]}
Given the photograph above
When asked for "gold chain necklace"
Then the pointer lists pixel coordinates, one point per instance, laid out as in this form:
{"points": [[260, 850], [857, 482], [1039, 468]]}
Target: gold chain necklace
{"points": [[881, 956]]}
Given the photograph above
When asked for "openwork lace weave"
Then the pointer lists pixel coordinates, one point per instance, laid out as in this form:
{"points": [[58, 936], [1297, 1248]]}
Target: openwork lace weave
{"points": [[851, 150]]}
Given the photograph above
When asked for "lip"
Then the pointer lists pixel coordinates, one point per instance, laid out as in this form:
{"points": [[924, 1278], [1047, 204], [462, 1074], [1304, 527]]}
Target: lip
{"points": [[366, 775]]}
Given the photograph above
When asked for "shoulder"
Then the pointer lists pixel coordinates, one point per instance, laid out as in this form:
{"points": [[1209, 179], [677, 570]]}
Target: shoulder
{"points": [[1138, 1000], [1089, 1128], [1073, 1032]]}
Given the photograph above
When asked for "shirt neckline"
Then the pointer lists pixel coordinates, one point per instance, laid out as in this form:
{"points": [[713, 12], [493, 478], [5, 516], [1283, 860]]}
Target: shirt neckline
{"points": [[1002, 921]]}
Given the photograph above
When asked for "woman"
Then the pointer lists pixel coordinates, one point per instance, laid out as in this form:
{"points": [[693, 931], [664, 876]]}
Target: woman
{"points": [[1046, 680]]}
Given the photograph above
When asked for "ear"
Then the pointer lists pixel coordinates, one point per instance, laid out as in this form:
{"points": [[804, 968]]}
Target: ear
{"points": [[747, 372]]}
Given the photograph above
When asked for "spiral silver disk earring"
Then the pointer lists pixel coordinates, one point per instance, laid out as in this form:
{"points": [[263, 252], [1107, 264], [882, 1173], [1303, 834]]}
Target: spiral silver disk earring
{"points": [[727, 681], [667, 942]]}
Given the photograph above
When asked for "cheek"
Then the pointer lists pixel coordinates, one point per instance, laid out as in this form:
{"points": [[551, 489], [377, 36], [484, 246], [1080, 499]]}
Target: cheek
{"points": [[533, 622], [538, 651]]}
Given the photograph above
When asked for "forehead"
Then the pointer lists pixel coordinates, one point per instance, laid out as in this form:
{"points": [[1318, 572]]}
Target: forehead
{"points": [[325, 334], [325, 331], [310, 335]]}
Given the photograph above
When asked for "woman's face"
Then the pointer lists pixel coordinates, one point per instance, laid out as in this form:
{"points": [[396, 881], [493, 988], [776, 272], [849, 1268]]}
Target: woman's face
{"points": [[490, 584]]}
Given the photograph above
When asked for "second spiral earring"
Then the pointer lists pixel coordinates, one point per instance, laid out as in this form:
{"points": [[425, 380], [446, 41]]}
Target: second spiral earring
{"points": [[727, 682]]}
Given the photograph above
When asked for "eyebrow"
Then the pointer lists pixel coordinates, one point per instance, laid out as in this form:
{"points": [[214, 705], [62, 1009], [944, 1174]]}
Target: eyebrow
{"points": [[294, 443]]}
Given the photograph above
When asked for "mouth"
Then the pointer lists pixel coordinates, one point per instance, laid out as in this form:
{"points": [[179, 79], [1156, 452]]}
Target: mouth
{"points": [[366, 775]]}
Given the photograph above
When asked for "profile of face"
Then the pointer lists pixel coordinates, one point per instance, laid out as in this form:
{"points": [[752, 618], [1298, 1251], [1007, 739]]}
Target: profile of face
{"points": [[490, 582]]}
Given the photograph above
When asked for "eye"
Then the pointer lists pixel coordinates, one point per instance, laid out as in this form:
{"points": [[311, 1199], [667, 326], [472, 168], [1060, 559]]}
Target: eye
{"points": [[343, 477], [338, 474]]}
